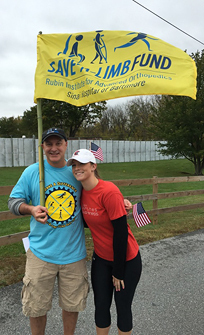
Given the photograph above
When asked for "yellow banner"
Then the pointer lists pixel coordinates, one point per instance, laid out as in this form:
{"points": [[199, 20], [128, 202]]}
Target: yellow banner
{"points": [[100, 65]]}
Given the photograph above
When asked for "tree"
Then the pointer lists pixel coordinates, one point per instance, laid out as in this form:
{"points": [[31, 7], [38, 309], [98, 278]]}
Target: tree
{"points": [[10, 127], [30, 122], [180, 122], [115, 120], [63, 115], [112, 125], [139, 111]]}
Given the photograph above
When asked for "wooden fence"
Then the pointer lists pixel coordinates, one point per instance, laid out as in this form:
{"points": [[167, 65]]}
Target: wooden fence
{"points": [[155, 196]]}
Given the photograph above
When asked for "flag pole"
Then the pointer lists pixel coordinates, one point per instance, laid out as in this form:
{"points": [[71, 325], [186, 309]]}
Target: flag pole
{"points": [[40, 154]]}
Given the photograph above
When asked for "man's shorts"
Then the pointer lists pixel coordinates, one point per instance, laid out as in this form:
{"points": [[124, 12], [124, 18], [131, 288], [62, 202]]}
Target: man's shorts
{"points": [[39, 281]]}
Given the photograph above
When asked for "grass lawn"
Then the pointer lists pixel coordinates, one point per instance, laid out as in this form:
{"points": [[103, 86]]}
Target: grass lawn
{"points": [[12, 257]]}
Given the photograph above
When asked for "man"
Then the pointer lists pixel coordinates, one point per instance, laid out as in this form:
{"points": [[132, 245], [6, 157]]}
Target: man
{"points": [[57, 242]]}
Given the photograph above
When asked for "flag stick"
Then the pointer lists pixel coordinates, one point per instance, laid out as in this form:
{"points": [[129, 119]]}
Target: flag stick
{"points": [[40, 154]]}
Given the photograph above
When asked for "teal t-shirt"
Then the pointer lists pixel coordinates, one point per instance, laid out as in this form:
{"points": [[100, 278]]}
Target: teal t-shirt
{"points": [[61, 240]]}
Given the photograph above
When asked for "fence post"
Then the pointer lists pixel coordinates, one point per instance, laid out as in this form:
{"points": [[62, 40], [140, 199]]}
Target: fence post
{"points": [[12, 159], [155, 202], [34, 149]]}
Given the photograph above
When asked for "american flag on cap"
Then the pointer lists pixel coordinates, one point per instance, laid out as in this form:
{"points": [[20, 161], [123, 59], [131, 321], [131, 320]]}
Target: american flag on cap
{"points": [[97, 151], [140, 216]]}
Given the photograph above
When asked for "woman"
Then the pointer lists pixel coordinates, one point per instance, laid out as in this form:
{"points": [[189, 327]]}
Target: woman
{"points": [[116, 261]]}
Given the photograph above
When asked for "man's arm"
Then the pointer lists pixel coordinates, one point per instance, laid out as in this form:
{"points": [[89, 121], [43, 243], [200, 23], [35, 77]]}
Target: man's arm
{"points": [[18, 206], [14, 204]]}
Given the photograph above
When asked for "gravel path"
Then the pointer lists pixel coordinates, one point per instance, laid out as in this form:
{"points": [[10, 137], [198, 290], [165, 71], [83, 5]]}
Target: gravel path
{"points": [[169, 298]]}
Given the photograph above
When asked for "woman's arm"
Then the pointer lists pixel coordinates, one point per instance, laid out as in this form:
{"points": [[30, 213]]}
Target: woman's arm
{"points": [[120, 237]]}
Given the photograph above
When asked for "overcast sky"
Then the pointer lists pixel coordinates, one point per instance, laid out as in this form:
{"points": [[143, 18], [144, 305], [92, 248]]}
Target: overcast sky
{"points": [[21, 20]]}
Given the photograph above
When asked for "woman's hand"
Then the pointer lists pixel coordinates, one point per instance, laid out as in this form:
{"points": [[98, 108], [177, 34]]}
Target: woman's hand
{"points": [[128, 205], [118, 283]]}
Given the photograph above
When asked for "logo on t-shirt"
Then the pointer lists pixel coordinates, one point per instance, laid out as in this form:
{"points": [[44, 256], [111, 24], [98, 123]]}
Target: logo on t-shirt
{"points": [[89, 210], [61, 204]]}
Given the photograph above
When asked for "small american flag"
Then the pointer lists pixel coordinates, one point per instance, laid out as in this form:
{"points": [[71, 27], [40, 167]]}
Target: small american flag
{"points": [[140, 216], [97, 151]]}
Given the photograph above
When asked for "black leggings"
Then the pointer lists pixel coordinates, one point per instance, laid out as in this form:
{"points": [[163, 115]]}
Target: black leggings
{"points": [[102, 283]]}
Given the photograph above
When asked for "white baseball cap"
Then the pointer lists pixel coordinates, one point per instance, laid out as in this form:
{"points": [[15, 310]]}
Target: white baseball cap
{"points": [[83, 156]]}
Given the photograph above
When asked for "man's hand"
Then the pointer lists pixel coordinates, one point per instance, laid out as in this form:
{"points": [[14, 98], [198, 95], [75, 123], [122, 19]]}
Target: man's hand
{"points": [[39, 213]]}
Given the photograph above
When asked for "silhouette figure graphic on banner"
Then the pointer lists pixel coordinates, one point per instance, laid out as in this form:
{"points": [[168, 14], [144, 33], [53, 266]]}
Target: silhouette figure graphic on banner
{"points": [[141, 36], [100, 47], [74, 50]]}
